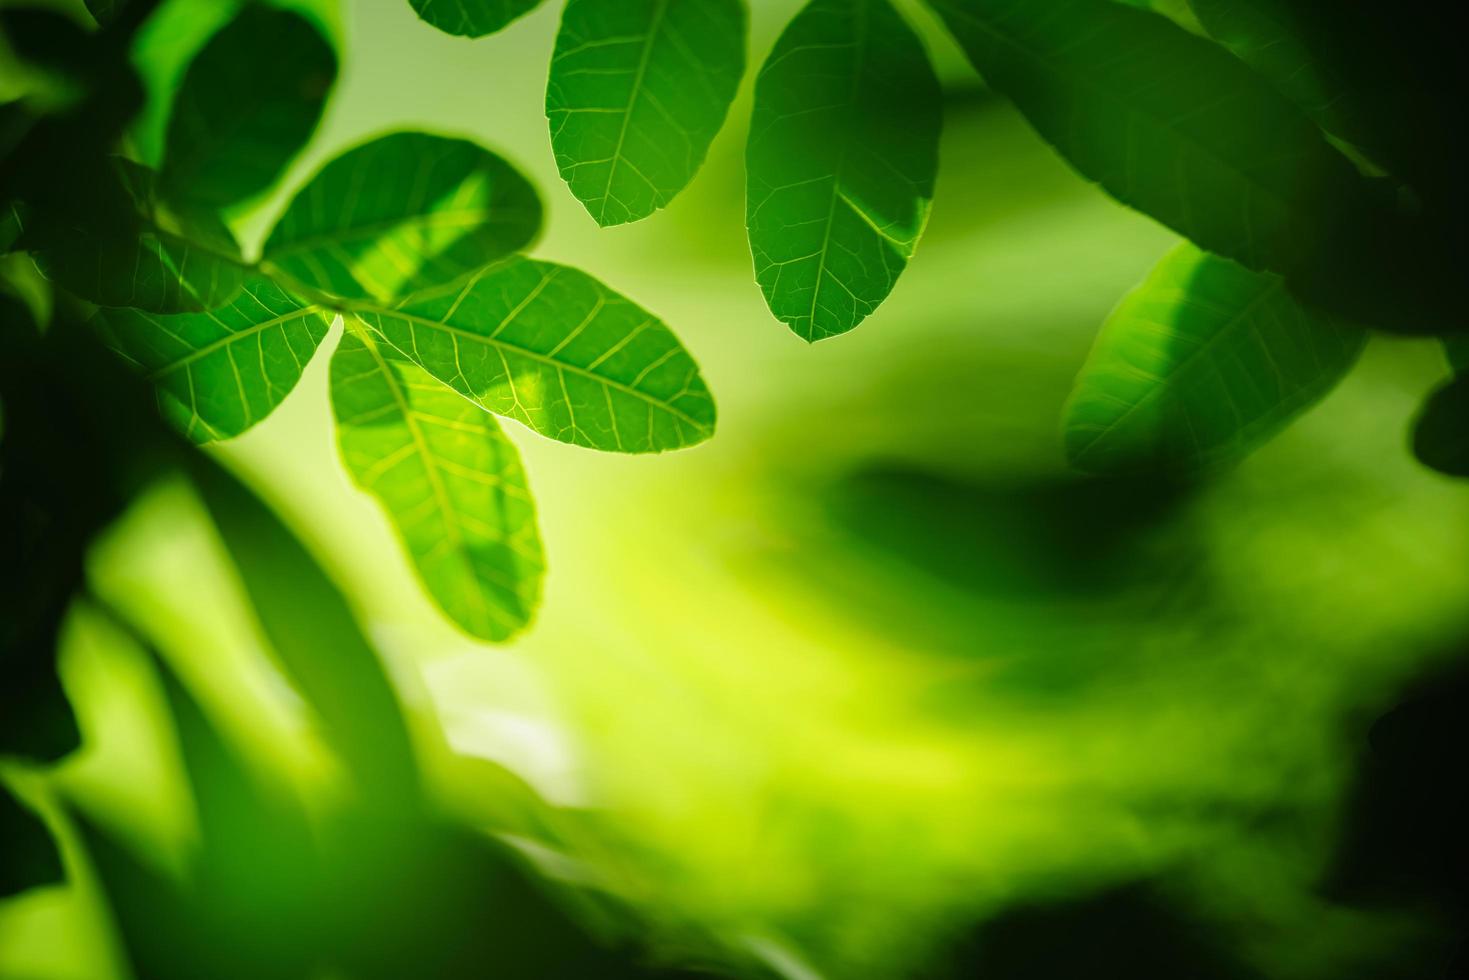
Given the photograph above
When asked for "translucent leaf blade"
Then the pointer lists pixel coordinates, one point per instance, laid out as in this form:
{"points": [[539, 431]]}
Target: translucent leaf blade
{"points": [[840, 164], [556, 350], [219, 373], [450, 481], [404, 212], [1199, 365], [638, 89], [471, 18], [237, 122], [1167, 122]]}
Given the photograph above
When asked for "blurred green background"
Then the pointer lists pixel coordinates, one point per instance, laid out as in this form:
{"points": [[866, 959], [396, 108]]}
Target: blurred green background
{"points": [[869, 667]]}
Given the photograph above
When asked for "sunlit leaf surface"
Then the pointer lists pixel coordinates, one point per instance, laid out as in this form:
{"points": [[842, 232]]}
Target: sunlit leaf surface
{"points": [[555, 349], [472, 18], [220, 372], [840, 165], [237, 120], [404, 212], [638, 89], [450, 480], [1200, 364], [1166, 122]]}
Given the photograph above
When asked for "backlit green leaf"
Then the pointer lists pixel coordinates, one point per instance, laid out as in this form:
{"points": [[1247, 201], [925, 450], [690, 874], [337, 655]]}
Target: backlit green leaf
{"points": [[638, 89], [1200, 364], [218, 373], [840, 164], [248, 103], [404, 212], [124, 247], [472, 18], [450, 480], [553, 348], [1166, 122]]}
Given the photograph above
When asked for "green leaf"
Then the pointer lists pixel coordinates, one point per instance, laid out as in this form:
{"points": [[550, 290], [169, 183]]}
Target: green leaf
{"points": [[317, 641], [219, 373], [1457, 350], [249, 101], [1266, 35], [12, 225], [1166, 122], [556, 350], [638, 89], [450, 480], [472, 18], [840, 164], [1199, 365], [123, 247], [103, 11], [1441, 434], [28, 855], [403, 213]]}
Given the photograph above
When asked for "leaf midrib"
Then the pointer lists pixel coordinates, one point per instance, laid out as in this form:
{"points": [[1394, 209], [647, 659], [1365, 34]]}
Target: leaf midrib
{"points": [[637, 87], [225, 341], [535, 356]]}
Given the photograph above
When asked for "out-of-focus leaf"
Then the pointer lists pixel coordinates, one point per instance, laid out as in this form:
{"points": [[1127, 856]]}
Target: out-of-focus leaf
{"points": [[28, 855], [82, 437], [556, 350], [840, 164], [103, 11], [1200, 364], [404, 212], [638, 89], [20, 279], [248, 103], [120, 246], [316, 639], [12, 224], [450, 480], [472, 18], [1441, 434], [218, 373], [1457, 349], [1166, 122]]}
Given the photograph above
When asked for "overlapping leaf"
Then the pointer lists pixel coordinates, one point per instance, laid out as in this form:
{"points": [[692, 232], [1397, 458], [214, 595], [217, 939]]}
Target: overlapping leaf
{"points": [[220, 372], [450, 480], [120, 246], [1266, 35], [638, 89], [553, 348], [405, 212], [1198, 365], [472, 18], [840, 164], [237, 119], [1167, 122]]}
